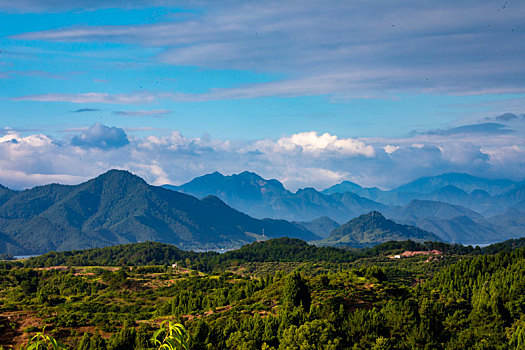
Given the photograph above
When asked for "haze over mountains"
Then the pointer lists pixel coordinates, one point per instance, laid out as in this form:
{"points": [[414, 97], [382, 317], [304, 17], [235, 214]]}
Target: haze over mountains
{"points": [[457, 207], [118, 207], [268, 198]]}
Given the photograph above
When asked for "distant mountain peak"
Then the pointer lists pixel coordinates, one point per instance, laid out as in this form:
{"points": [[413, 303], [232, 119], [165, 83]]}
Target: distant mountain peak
{"points": [[211, 199], [119, 174], [463, 181], [306, 190], [350, 183], [249, 174], [345, 186], [372, 215], [119, 178], [450, 189]]}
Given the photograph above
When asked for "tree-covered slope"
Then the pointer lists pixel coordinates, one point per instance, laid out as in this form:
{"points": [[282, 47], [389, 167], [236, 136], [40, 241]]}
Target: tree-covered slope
{"points": [[274, 250], [374, 228], [452, 302], [117, 208]]}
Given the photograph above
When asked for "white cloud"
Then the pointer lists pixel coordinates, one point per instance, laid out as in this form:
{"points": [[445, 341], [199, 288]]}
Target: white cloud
{"points": [[311, 142], [299, 160], [37, 140], [390, 149]]}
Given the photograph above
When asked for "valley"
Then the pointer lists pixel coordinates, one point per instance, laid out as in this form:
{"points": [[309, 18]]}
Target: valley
{"points": [[275, 294]]}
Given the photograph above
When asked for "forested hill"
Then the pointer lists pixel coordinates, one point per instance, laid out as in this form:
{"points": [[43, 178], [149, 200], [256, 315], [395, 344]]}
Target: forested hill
{"points": [[118, 207], [135, 254], [154, 253], [274, 250], [374, 228], [470, 301]]}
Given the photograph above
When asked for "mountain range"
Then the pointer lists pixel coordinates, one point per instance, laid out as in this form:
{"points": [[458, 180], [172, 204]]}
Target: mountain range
{"points": [[118, 207], [262, 198], [457, 207]]}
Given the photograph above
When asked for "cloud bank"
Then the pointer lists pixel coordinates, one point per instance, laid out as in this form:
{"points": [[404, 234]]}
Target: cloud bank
{"points": [[299, 160]]}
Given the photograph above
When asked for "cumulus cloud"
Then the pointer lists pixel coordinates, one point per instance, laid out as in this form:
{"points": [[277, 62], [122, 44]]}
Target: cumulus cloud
{"points": [[101, 136], [37, 140], [390, 148], [311, 142], [299, 160]]}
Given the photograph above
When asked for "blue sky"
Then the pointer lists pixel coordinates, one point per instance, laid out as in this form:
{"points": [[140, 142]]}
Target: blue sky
{"points": [[310, 93]]}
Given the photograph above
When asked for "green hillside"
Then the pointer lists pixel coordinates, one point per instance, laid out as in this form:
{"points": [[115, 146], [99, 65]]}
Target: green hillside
{"points": [[373, 228], [117, 208]]}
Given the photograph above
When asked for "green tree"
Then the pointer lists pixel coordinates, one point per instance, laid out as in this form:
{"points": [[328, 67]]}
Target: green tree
{"points": [[171, 336], [296, 291], [42, 341], [315, 335]]}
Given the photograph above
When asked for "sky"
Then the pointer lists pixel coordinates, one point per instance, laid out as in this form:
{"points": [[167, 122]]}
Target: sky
{"points": [[307, 92]]}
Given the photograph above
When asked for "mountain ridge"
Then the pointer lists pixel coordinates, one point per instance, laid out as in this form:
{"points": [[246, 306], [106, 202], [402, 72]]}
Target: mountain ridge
{"points": [[118, 207], [261, 198]]}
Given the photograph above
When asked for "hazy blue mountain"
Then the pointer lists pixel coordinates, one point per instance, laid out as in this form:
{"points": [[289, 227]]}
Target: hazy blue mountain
{"points": [[345, 186], [118, 207], [321, 226], [420, 209], [450, 194], [459, 195], [373, 228], [453, 223], [467, 183], [463, 229], [5, 194], [519, 206], [479, 200], [512, 197], [243, 186], [250, 193], [511, 221], [372, 193], [485, 196]]}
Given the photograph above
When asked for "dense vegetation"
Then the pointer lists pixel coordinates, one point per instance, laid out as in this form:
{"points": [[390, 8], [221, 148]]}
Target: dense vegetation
{"points": [[274, 250], [314, 298]]}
